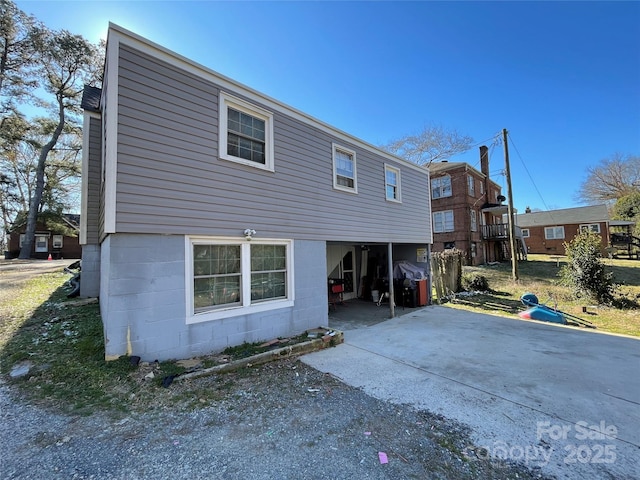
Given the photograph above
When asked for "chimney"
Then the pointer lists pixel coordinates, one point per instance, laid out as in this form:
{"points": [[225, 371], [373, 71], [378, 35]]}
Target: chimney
{"points": [[484, 160], [484, 168]]}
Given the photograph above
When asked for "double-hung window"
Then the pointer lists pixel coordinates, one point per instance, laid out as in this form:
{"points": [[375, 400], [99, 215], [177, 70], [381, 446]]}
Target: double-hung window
{"points": [[344, 169], [245, 133], [474, 221], [441, 187], [471, 185], [229, 277], [443, 221], [392, 183], [554, 233]]}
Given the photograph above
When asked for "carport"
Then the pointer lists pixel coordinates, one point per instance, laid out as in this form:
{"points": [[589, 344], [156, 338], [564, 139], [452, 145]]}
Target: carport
{"points": [[361, 271]]}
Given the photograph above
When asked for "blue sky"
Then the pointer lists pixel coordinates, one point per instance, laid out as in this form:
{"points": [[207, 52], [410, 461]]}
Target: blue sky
{"points": [[562, 77]]}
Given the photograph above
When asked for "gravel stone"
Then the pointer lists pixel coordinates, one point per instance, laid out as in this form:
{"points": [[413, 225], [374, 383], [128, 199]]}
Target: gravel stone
{"points": [[282, 420]]}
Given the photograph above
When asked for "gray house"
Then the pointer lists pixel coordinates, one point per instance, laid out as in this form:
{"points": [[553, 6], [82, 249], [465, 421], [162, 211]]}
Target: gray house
{"points": [[214, 215]]}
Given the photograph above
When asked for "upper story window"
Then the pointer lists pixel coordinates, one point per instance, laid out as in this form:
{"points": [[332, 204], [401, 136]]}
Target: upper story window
{"points": [[245, 133], [344, 169], [590, 227], [481, 188], [471, 185], [443, 221], [525, 233], [441, 187], [392, 183], [554, 233]]}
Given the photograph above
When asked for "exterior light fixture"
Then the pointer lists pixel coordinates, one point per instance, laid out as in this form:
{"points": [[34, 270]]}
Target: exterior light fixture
{"points": [[249, 233]]}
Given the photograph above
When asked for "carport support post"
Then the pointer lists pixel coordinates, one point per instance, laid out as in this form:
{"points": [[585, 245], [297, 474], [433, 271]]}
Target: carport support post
{"points": [[392, 309]]}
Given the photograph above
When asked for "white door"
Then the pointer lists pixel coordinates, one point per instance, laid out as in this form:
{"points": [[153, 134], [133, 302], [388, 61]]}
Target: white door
{"points": [[341, 263]]}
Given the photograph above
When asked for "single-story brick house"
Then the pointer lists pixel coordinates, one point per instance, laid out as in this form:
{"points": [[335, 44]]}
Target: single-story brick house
{"points": [[546, 232], [48, 241]]}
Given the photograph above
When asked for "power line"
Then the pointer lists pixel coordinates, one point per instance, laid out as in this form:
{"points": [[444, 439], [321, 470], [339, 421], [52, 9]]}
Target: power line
{"points": [[529, 175]]}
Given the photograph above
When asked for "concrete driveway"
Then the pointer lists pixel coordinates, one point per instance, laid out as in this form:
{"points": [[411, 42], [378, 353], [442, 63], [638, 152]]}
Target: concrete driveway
{"points": [[562, 399]]}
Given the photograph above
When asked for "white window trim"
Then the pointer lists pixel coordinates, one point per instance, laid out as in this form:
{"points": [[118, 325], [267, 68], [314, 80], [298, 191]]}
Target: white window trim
{"points": [[246, 308], [334, 148], [553, 229], [396, 170], [439, 180], [444, 223], [588, 226], [226, 101], [525, 233], [471, 185], [57, 241], [474, 221]]}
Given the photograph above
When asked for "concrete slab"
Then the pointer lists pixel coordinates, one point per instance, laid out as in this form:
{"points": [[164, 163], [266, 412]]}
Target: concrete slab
{"points": [[562, 399]]}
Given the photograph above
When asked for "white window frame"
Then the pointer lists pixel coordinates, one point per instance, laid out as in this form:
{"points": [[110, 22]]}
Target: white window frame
{"points": [[444, 221], [590, 227], [482, 188], [554, 233], [471, 185], [338, 148], [245, 306], [525, 232], [442, 190], [226, 101], [398, 193], [57, 241], [474, 221]]}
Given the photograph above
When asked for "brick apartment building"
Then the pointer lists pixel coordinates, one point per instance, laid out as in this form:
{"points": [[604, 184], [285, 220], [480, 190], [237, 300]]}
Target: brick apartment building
{"points": [[467, 211]]}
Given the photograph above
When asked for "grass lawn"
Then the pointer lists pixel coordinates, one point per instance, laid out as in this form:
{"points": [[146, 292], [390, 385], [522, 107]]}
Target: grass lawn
{"points": [[539, 275]]}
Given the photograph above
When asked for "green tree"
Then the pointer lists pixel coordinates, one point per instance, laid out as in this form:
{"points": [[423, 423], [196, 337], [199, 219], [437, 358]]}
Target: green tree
{"points": [[628, 208], [584, 272], [68, 63], [20, 37]]}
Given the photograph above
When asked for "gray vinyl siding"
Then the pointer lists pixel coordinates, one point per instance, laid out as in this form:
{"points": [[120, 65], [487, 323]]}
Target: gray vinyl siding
{"points": [[171, 181], [94, 181]]}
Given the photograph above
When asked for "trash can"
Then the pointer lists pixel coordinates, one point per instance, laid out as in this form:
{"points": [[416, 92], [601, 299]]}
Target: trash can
{"points": [[421, 293]]}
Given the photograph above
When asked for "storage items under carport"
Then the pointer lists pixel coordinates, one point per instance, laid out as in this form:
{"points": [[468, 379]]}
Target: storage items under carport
{"points": [[410, 285]]}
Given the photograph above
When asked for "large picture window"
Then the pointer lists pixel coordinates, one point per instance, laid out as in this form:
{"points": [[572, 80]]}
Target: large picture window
{"points": [[234, 277], [441, 187], [443, 221], [344, 169], [245, 133]]}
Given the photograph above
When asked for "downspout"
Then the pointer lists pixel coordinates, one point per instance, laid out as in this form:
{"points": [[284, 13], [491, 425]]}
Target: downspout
{"points": [[430, 284], [392, 310]]}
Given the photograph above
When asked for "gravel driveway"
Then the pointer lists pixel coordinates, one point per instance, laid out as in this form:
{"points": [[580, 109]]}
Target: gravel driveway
{"points": [[283, 420]]}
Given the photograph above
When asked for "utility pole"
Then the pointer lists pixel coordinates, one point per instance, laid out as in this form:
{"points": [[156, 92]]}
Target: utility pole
{"points": [[512, 227]]}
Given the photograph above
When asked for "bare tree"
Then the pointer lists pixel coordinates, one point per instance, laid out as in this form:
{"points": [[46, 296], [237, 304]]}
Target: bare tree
{"points": [[614, 177], [433, 143]]}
